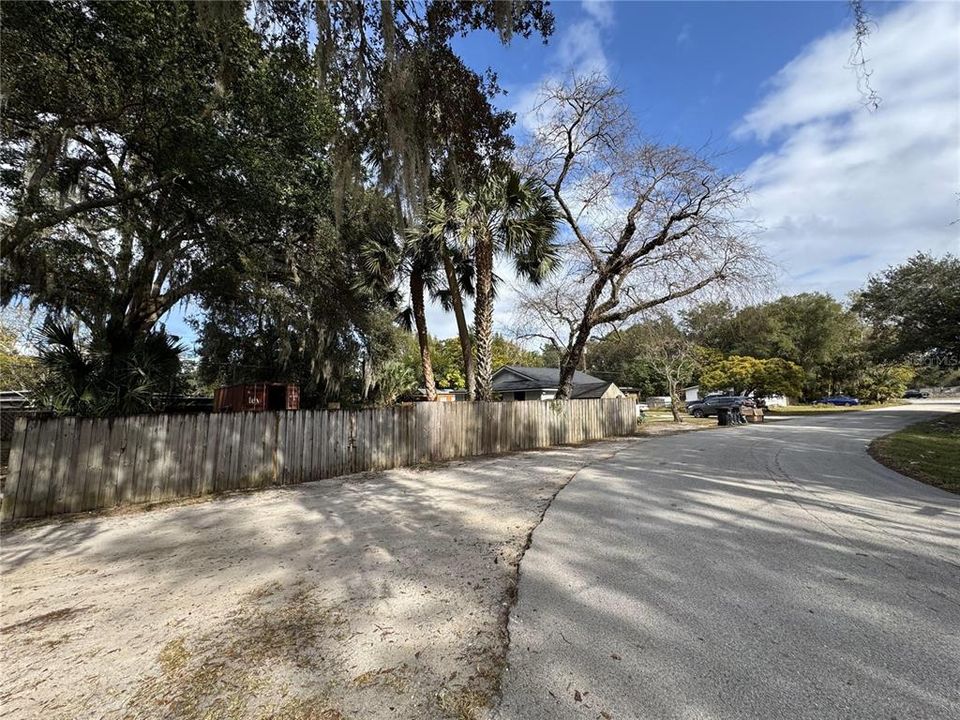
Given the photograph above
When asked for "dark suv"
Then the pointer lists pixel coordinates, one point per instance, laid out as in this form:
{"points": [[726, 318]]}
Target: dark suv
{"points": [[709, 405]]}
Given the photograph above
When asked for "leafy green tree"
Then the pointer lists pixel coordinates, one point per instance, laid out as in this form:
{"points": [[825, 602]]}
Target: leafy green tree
{"points": [[883, 382], [619, 357], [144, 166], [18, 371], [913, 309], [777, 376], [447, 361], [745, 375], [711, 324], [395, 379], [550, 355], [737, 372], [811, 329], [506, 352]]}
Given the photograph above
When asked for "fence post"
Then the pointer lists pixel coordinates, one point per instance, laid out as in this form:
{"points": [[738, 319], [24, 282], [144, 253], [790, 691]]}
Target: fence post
{"points": [[14, 467]]}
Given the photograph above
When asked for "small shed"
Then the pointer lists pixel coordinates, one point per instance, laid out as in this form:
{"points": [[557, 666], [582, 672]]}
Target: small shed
{"points": [[443, 395], [255, 397], [13, 404], [660, 401]]}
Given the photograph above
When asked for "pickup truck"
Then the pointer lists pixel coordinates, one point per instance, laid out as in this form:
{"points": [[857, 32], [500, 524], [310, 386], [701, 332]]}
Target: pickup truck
{"points": [[709, 405]]}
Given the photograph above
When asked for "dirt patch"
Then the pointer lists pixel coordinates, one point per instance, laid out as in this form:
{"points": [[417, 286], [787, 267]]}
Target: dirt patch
{"points": [[672, 428], [379, 596], [271, 640]]}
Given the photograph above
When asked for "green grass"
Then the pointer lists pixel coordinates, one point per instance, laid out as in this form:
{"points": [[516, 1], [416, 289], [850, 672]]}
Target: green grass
{"points": [[827, 409], [928, 452]]}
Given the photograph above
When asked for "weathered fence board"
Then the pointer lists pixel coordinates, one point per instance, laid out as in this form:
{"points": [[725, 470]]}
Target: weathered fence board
{"points": [[66, 465]]}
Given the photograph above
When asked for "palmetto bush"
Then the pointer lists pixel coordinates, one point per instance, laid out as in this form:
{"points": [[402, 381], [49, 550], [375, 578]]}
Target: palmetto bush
{"points": [[395, 379], [81, 378]]}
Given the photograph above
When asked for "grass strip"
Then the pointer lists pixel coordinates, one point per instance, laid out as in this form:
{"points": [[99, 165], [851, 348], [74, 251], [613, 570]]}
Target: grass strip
{"points": [[928, 451], [827, 409]]}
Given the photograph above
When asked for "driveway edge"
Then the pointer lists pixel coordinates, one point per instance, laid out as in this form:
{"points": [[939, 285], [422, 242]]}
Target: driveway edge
{"points": [[512, 594]]}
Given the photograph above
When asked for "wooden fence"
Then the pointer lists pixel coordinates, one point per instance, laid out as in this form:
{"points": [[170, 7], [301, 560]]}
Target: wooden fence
{"points": [[66, 465]]}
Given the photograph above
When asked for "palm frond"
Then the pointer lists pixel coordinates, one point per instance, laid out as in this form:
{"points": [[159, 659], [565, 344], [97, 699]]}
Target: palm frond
{"points": [[404, 319]]}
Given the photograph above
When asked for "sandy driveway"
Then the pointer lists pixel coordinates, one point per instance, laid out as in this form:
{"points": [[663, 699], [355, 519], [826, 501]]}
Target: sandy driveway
{"points": [[375, 596]]}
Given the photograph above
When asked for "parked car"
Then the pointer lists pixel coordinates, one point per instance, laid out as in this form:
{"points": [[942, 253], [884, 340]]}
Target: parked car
{"points": [[916, 394], [838, 400], [709, 405]]}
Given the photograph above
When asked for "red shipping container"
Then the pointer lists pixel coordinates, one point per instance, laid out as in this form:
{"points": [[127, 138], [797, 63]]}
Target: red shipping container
{"points": [[256, 397]]}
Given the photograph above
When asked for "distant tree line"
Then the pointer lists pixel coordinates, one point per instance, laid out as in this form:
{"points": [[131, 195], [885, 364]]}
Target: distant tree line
{"points": [[902, 327]]}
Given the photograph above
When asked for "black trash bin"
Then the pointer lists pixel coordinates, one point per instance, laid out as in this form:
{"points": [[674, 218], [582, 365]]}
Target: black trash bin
{"points": [[723, 416]]}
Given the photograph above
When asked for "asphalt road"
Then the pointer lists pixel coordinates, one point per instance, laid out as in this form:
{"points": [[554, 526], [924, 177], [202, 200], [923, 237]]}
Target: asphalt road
{"points": [[770, 571]]}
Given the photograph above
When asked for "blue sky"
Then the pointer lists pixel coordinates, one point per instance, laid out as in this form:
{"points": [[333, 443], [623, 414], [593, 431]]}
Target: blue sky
{"points": [[690, 70], [840, 191]]}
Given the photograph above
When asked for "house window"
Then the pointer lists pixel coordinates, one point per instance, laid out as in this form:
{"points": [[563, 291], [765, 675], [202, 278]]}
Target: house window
{"points": [[520, 395]]}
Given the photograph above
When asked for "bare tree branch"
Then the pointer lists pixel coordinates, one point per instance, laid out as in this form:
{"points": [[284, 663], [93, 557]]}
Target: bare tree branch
{"points": [[862, 28], [650, 224]]}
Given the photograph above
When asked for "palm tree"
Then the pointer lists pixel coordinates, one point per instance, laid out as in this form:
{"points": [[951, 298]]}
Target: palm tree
{"points": [[421, 276], [440, 230], [385, 259], [512, 216]]}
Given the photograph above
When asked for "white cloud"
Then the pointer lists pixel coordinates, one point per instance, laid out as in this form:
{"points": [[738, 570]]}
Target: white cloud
{"points": [[843, 191], [579, 48], [600, 10], [684, 36], [442, 324]]}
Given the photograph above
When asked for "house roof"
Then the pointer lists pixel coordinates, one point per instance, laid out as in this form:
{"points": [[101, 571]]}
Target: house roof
{"points": [[591, 391], [539, 378]]}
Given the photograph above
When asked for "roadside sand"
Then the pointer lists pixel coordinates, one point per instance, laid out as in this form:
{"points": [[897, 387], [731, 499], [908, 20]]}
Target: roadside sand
{"points": [[372, 596]]}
